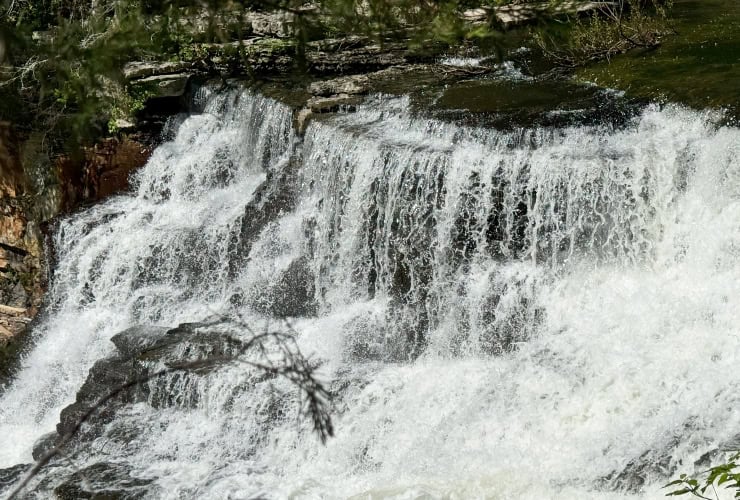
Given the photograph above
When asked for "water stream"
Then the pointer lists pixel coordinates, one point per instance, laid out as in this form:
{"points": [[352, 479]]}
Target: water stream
{"points": [[530, 313]]}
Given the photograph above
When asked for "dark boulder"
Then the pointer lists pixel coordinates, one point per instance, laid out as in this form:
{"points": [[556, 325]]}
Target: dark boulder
{"points": [[135, 340], [103, 481], [12, 475], [44, 445]]}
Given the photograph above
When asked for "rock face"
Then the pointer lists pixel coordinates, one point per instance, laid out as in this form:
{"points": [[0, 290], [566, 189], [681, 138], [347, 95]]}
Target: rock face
{"points": [[132, 375], [104, 170], [95, 482], [21, 246], [139, 352], [136, 70], [650, 466], [291, 294], [34, 190], [10, 475], [271, 24], [164, 85]]}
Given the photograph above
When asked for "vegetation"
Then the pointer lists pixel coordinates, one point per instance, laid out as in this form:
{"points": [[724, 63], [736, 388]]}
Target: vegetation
{"points": [[63, 59], [627, 25], [723, 476]]}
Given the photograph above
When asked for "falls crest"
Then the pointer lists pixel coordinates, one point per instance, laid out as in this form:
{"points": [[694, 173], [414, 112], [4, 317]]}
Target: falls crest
{"points": [[418, 211]]}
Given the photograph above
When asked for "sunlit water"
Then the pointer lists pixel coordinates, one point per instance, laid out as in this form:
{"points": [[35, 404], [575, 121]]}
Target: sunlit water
{"points": [[510, 314]]}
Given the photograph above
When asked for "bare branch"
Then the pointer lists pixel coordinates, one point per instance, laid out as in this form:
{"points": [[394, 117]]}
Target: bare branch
{"points": [[292, 365]]}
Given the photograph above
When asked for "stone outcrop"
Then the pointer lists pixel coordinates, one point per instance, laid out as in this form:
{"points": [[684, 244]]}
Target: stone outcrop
{"points": [[144, 69], [104, 480], [20, 242], [10, 475], [270, 24], [135, 374], [104, 170], [140, 351], [164, 85], [347, 91], [33, 190], [21, 250], [519, 13], [291, 294]]}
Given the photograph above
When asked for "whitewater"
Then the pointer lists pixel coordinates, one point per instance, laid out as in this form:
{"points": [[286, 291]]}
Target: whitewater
{"points": [[543, 312]]}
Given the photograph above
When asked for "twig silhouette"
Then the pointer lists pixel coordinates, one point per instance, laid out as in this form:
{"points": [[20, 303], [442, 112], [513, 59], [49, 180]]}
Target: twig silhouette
{"points": [[292, 365]]}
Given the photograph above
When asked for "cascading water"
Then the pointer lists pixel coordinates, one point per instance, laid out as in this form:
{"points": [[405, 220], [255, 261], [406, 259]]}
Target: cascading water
{"points": [[158, 256], [535, 313]]}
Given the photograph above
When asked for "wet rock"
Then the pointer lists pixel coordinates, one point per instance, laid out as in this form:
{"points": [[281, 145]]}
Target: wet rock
{"points": [[106, 376], [11, 475], [135, 340], [301, 120], [188, 341], [140, 350], [44, 445], [291, 294], [648, 468], [333, 104], [277, 195], [711, 457], [367, 338], [654, 465], [104, 480]]}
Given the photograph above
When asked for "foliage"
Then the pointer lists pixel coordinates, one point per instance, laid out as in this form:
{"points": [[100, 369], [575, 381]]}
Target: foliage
{"points": [[612, 30], [127, 103], [725, 475], [64, 60], [68, 74]]}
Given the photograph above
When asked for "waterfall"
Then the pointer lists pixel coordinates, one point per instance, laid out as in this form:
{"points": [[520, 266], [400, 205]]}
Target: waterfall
{"points": [[160, 255], [526, 313]]}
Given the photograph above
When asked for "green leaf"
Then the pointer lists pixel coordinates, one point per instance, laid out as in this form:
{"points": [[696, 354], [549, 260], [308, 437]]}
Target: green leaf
{"points": [[678, 492], [673, 483]]}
